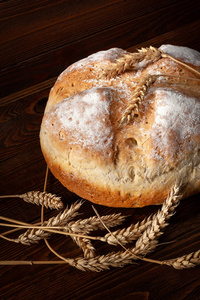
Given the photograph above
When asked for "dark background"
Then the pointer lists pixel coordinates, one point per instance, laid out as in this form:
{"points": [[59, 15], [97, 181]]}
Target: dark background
{"points": [[39, 39]]}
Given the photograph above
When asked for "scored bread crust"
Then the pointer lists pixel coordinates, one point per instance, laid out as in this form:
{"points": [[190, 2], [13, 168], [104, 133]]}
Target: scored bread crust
{"points": [[125, 164]]}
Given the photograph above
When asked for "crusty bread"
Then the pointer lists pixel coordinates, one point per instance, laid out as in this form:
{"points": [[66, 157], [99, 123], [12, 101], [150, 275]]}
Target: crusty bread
{"points": [[124, 141]]}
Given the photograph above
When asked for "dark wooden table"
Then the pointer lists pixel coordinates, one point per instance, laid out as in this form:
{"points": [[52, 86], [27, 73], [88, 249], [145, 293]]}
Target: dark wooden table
{"points": [[38, 40]]}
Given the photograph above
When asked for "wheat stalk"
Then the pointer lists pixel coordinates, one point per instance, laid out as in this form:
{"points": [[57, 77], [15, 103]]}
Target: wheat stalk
{"points": [[148, 240], [148, 231], [140, 92], [122, 258], [62, 220], [145, 244], [40, 198], [32, 236], [181, 63], [145, 55], [137, 98], [30, 262], [119, 259], [51, 229]]}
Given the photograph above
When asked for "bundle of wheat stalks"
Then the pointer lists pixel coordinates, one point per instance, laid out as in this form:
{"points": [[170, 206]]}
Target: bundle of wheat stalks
{"points": [[145, 233]]}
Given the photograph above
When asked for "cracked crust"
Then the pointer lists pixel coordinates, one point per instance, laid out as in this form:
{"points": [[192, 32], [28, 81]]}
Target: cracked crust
{"points": [[133, 164]]}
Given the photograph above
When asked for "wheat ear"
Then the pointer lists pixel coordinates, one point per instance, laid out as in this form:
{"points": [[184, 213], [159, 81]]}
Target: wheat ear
{"points": [[137, 98], [131, 60], [32, 236], [91, 224], [146, 243], [85, 244], [149, 239], [122, 258], [104, 262], [40, 198], [184, 262], [127, 235]]}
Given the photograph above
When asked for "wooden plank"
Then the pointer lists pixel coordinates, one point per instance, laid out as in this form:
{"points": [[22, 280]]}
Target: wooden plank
{"points": [[51, 64], [11, 8], [28, 91], [20, 124], [175, 37], [23, 38]]}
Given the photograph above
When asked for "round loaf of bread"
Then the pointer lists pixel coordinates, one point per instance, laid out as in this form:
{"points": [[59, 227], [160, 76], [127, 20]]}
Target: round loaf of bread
{"points": [[120, 130]]}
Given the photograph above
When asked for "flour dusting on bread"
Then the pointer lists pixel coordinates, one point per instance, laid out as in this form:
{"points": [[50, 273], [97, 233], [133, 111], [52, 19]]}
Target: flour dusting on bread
{"points": [[184, 53], [176, 120], [84, 115], [101, 56]]}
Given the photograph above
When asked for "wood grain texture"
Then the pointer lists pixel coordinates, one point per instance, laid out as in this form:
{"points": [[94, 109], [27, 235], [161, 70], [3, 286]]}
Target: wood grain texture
{"points": [[33, 52], [39, 30], [39, 39]]}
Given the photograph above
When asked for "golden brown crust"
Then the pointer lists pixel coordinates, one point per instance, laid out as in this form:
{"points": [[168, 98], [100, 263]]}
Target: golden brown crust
{"points": [[123, 164]]}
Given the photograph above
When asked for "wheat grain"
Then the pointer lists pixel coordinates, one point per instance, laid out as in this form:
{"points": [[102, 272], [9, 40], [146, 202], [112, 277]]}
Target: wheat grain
{"points": [[62, 220], [67, 215], [145, 244], [104, 262]]}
